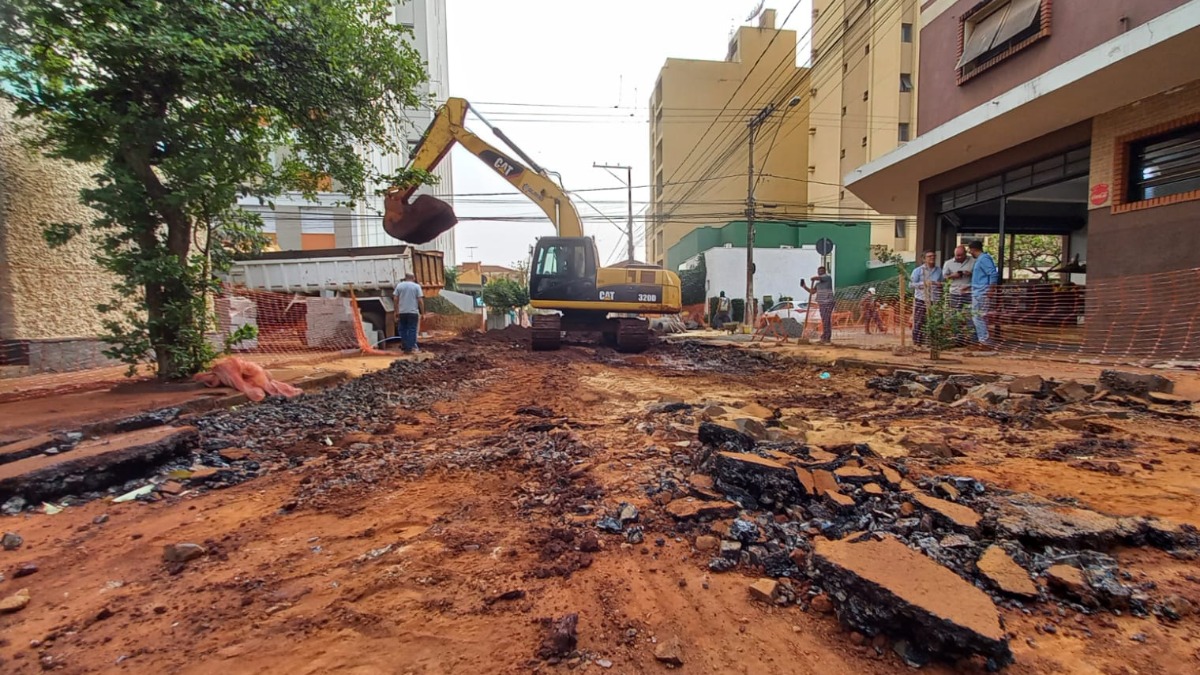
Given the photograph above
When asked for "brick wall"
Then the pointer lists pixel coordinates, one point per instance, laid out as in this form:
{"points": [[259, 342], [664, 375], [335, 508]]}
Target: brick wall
{"points": [[1112, 131], [44, 292]]}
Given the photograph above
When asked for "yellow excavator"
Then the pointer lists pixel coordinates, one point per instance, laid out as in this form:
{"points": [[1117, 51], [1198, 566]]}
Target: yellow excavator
{"points": [[565, 274]]}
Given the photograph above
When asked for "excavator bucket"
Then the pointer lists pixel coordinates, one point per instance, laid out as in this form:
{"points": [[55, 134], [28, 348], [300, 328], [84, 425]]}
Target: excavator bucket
{"points": [[419, 222]]}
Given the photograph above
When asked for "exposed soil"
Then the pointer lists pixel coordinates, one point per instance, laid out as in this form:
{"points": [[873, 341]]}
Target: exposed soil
{"points": [[452, 527]]}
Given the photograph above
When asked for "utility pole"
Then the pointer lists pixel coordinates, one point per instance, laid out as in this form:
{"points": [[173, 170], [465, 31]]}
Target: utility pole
{"points": [[752, 126], [629, 190], [751, 209]]}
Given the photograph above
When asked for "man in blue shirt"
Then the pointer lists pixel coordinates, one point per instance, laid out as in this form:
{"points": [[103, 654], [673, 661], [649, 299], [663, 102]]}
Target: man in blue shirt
{"points": [[983, 277], [410, 305], [927, 286]]}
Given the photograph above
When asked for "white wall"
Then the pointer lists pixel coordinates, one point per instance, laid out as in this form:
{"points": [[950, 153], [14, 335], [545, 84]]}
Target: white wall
{"points": [[779, 271]]}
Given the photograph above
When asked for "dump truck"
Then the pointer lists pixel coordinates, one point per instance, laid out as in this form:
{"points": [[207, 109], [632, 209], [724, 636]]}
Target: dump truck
{"points": [[369, 274]]}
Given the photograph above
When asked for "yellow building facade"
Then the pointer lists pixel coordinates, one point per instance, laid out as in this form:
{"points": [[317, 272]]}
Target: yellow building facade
{"points": [[699, 137], [862, 103]]}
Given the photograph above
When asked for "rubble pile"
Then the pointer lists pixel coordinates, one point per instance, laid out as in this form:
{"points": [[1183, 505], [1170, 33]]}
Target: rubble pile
{"points": [[841, 528]]}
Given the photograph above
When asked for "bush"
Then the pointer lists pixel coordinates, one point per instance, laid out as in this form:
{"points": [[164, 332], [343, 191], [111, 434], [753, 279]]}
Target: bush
{"points": [[505, 294], [439, 305]]}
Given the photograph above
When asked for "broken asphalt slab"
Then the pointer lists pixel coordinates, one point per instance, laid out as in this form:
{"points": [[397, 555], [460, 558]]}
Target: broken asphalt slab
{"points": [[884, 587], [94, 464]]}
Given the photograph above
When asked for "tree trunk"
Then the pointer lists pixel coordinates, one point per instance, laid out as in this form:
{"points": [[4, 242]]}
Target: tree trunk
{"points": [[164, 327]]}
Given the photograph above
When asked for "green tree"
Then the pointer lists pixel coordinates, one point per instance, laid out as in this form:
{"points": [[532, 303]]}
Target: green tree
{"points": [[451, 277], [183, 107], [503, 294]]}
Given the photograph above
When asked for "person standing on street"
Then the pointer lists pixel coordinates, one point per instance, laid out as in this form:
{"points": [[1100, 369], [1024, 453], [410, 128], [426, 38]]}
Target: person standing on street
{"points": [[822, 293], [410, 304], [724, 311], [927, 283], [957, 271], [870, 311], [984, 276]]}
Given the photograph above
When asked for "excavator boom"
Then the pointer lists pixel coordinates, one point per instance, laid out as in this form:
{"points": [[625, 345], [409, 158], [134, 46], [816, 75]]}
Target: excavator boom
{"points": [[426, 217]]}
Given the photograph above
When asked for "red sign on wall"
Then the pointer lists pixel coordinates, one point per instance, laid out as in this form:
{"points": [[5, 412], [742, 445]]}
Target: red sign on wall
{"points": [[1099, 194]]}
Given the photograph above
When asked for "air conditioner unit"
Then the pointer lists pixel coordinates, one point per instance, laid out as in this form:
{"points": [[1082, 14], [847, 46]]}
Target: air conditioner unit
{"points": [[727, 246]]}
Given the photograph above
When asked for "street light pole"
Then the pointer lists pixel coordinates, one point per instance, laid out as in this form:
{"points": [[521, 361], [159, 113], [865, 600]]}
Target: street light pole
{"points": [[629, 190]]}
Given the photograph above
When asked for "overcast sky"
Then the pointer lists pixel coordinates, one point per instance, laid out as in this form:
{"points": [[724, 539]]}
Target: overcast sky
{"points": [[550, 54]]}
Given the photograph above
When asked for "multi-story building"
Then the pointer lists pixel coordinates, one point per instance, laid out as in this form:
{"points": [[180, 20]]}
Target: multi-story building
{"points": [[299, 224], [862, 105], [1077, 118], [699, 143]]}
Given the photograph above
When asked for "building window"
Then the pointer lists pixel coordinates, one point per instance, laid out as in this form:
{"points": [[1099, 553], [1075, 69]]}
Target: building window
{"points": [[1164, 165], [867, 48], [843, 153], [901, 228], [906, 33], [843, 111], [906, 82], [658, 184], [845, 68], [864, 141], [904, 133], [866, 95], [996, 30]]}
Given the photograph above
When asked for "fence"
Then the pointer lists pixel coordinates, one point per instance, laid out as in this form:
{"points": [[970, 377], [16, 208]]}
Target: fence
{"points": [[289, 329], [1144, 320]]}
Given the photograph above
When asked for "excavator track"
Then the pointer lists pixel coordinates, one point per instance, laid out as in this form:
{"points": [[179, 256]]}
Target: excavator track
{"points": [[633, 335], [547, 332]]}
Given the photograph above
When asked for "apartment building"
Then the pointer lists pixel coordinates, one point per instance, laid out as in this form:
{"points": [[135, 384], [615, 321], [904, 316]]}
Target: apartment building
{"points": [[1078, 118], [862, 105], [298, 224], [699, 137]]}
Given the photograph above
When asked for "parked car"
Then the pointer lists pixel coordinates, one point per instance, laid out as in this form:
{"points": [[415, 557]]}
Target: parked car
{"points": [[789, 309]]}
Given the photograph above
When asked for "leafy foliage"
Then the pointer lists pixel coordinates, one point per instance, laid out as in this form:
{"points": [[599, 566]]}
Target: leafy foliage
{"points": [[450, 274], [944, 323], [692, 282], [184, 107], [504, 294], [1035, 254]]}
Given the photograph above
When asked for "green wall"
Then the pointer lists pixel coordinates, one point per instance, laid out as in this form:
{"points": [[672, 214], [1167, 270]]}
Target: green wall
{"points": [[852, 242]]}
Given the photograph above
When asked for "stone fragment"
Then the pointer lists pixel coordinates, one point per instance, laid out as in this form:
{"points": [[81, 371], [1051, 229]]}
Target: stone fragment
{"points": [[751, 427], [822, 604], [744, 531], [824, 481], [181, 553], [730, 549], [628, 513], [689, 509], [799, 557], [947, 392], [15, 602], [907, 509], [891, 476], [745, 475], [1167, 399], [947, 490], [956, 516], [873, 489], [886, 587], [913, 390], [11, 541], [838, 500], [807, 484], [1069, 581], [1029, 384], [993, 393], [1135, 383], [756, 410], [1071, 392], [854, 474], [24, 570], [561, 637], [1006, 575], [170, 487], [724, 437], [236, 454], [707, 542], [765, 590], [669, 652], [1042, 522]]}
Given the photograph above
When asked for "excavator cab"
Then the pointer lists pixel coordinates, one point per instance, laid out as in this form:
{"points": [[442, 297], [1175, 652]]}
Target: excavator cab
{"points": [[419, 222], [564, 269]]}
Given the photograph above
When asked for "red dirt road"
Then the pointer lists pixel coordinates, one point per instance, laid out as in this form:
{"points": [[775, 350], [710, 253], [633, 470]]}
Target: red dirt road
{"points": [[386, 554]]}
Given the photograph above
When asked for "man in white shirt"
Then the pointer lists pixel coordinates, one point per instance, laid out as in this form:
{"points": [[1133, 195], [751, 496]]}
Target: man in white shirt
{"points": [[410, 304], [957, 271]]}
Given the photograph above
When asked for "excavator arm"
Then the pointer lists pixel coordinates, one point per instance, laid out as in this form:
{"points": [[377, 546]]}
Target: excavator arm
{"points": [[426, 217]]}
